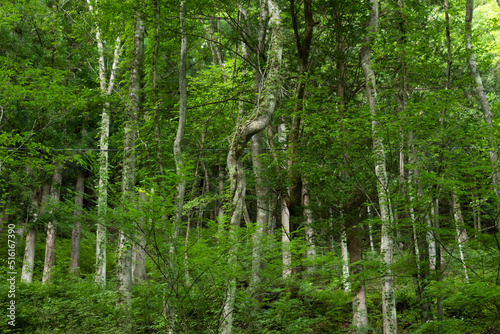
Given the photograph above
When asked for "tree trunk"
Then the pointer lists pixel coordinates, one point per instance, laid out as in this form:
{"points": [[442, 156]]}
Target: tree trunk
{"points": [[460, 229], [159, 159], [262, 215], [29, 250], [359, 309], [139, 249], [386, 248], [243, 133], [124, 257], [74, 265], [179, 163], [102, 192], [50, 246], [309, 231], [345, 257], [483, 100]]}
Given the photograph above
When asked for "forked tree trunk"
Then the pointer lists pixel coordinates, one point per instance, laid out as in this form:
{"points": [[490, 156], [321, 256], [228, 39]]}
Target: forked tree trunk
{"points": [[386, 248], [50, 246], [243, 133], [124, 257], [483, 100], [74, 264], [102, 191]]}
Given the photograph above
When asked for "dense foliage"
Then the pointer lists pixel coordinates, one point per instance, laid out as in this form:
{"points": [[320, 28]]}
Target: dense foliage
{"points": [[316, 163]]}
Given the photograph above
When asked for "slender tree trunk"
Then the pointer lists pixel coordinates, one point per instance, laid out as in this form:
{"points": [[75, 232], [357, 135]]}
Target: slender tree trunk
{"points": [[262, 215], [74, 265], [483, 100], [159, 159], [102, 192], [29, 250], [243, 133], [285, 240], [220, 206], [460, 229], [50, 246], [345, 256], [309, 231], [179, 163], [139, 249], [359, 309], [285, 217], [124, 257], [370, 227], [294, 200], [386, 248]]}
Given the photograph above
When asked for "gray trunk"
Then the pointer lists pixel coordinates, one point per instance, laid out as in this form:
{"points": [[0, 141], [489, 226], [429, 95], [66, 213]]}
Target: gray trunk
{"points": [[50, 246], [243, 133], [124, 257], [460, 229], [386, 247], [309, 231], [262, 214], [29, 250]]}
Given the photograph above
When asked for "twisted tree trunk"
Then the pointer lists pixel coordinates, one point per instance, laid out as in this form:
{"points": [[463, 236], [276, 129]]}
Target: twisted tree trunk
{"points": [[256, 122]]}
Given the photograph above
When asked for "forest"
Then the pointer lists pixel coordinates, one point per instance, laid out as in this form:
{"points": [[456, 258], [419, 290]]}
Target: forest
{"points": [[271, 166]]}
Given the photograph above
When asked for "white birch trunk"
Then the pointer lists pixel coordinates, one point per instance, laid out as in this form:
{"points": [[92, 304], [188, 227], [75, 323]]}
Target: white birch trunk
{"points": [[345, 260], [386, 248], [102, 192], [460, 230], [370, 227]]}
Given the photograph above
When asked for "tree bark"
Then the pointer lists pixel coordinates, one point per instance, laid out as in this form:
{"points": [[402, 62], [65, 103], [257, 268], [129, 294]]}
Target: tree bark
{"points": [[30, 245], [102, 192], [460, 230], [74, 265], [179, 163], [156, 116], [309, 231], [50, 246], [257, 122], [345, 258], [386, 248], [262, 215], [359, 309], [124, 257]]}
